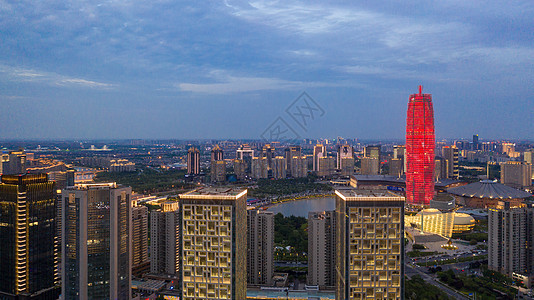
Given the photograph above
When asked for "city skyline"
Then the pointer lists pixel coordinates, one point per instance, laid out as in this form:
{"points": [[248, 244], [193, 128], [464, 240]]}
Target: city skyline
{"points": [[123, 70]]}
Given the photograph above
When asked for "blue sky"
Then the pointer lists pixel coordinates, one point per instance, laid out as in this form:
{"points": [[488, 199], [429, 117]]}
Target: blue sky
{"points": [[228, 69]]}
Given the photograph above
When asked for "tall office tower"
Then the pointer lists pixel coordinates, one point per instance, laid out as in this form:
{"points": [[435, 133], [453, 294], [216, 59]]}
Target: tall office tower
{"points": [[217, 153], [370, 244], [165, 239], [516, 174], [96, 242], [260, 168], [475, 142], [396, 167], [279, 168], [326, 166], [140, 260], [370, 166], [319, 151], [510, 238], [245, 153], [218, 171], [193, 161], [214, 243], [450, 153], [13, 163], [299, 166], [420, 146], [289, 153], [322, 249], [260, 251], [29, 249], [345, 155], [239, 169]]}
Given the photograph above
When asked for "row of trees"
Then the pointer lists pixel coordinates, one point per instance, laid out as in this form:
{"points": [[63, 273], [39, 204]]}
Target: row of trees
{"points": [[147, 180]]}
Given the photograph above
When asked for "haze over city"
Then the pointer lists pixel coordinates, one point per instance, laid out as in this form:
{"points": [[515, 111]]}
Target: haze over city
{"points": [[228, 69]]}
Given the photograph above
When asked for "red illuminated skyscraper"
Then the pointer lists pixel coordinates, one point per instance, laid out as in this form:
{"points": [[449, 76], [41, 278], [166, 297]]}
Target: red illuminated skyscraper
{"points": [[420, 146]]}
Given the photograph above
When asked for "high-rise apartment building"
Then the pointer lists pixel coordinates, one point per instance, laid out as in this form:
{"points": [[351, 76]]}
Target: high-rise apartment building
{"points": [[345, 160], [260, 250], [96, 242], [193, 161], [140, 261], [509, 149], [213, 244], [396, 167], [13, 163], [441, 168], [245, 153], [475, 142], [289, 153], [322, 249], [279, 168], [516, 174], [267, 152], [28, 248], [240, 169], [511, 237], [528, 156], [319, 151], [373, 151], [370, 244], [299, 166], [326, 166], [420, 148], [399, 152], [218, 171], [370, 166], [450, 153], [260, 168], [217, 153], [165, 239]]}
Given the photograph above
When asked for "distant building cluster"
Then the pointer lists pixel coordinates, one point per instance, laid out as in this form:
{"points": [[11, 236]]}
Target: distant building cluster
{"points": [[112, 164], [101, 241]]}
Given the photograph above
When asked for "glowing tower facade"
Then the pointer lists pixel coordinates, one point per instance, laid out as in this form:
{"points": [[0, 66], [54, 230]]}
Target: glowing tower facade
{"points": [[420, 147]]}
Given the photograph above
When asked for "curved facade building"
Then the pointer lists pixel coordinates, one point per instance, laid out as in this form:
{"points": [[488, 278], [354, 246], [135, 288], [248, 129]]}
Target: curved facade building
{"points": [[420, 146]]}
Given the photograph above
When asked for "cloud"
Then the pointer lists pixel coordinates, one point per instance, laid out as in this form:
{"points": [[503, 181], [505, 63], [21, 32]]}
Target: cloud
{"points": [[227, 84], [53, 79]]}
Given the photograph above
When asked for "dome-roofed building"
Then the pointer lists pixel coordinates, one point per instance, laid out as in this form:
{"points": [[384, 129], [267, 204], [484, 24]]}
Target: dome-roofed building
{"points": [[462, 223], [431, 220], [487, 193]]}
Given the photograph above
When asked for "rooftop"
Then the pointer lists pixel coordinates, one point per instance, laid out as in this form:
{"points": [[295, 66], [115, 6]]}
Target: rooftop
{"points": [[221, 193], [488, 189], [86, 186], [366, 195]]}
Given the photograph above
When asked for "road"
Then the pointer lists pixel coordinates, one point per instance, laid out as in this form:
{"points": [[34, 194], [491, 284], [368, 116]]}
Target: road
{"points": [[429, 279]]}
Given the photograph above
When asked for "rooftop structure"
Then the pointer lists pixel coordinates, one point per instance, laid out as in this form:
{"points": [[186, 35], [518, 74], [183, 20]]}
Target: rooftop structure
{"points": [[214, 193], [488, 189]]}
